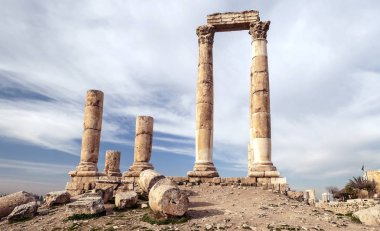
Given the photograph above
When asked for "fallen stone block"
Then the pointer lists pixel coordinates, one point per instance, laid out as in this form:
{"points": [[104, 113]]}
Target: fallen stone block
{"points": [[168, 200], [86, 205], [298, 196], [57, 198], [148, 178], [22, 212], [107, 194], [11, 201], [370, 216], [165, 181], [126, 199]]}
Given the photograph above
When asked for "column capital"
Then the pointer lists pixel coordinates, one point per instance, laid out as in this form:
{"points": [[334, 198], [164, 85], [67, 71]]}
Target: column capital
{"points": [[206, 34], [258, 30]]}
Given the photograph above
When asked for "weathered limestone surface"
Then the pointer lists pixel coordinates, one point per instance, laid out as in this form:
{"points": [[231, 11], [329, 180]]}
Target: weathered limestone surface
{"points": [[309, 196], [148, 178], [260, 122], [295, 195], [143, 146], [57, 197], [375, 176], [106, 193], [80, 184], [164, 181], [23, 211], [204, 166], [346, 207], [232, 20], [86, 205], [85, 176], [93, 114], [11, 201], [168, 200], [112, 165], [126, 199], [370, 216]]}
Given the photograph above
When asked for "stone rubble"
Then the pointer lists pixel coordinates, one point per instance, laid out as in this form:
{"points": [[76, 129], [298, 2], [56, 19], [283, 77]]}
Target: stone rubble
{"points": [[22, 212], [57, 198], [11, 201], [126, 199], [369, 216], [86, 205]]}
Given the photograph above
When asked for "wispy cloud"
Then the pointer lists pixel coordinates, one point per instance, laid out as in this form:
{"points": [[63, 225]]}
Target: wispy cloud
{"points": [[33, 167], [143, 55]]}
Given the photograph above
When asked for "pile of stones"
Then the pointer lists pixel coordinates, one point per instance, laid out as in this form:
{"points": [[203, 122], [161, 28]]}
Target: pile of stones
{"points": [[165, 198]]}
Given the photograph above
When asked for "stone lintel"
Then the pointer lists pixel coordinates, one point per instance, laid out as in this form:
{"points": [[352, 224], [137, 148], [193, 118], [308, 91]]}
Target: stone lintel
{"points": [[232, 21]]}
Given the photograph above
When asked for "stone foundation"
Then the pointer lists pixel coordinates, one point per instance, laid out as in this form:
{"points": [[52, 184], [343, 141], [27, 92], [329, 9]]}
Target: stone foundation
{"points": [[80, 185], [346, 207]]}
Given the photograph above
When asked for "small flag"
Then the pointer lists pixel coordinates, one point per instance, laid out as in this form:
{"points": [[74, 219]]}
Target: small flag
{"points": [[363, 167]]}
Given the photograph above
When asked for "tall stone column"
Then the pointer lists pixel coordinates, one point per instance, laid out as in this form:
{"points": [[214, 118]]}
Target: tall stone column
{"points": [[93, 114], [112, 164], [84, 177], [143, 146], [204, 166], [260, 124]]}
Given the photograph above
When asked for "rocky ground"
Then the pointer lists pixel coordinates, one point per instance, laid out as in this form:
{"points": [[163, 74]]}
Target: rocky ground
{"points": [[212, 208]]}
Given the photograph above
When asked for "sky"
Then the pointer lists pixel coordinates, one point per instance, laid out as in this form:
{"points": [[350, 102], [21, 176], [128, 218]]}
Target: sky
{"points": [[324, 79]]}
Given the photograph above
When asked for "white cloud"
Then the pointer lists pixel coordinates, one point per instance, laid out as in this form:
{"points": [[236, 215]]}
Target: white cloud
{"points": [[143, 55], [33, 167]]}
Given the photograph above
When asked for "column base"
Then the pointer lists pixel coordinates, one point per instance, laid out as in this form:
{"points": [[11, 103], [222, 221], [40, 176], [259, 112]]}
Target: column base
{"points": [[83, 178], [203, 170], [263, 170], [137, 168], [87, 166], [264, 174], [81, 183], [113, 174]]}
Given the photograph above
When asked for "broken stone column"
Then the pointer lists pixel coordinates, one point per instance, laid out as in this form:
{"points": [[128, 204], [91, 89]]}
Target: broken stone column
{"points": [[143, 146], [112, 164], [148, 179], [168, 200], [204, 166], [11, 201], [260, 123], [165, 197], [86, 173], [93, 114]]}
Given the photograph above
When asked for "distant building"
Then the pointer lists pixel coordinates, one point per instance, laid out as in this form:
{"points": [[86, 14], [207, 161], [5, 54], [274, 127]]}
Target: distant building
{"points": [[309, 196], [373, 175], [327, 197]]}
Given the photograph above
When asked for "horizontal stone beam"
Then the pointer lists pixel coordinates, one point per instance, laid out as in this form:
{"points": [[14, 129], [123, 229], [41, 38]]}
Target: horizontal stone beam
{"points": [[232, 21]]}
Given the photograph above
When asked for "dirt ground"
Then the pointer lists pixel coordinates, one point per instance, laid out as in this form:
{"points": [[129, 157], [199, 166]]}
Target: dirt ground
{"points": [[211, 208]]}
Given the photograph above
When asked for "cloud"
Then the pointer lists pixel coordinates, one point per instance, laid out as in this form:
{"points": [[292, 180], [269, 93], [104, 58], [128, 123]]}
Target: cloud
{"points": [[143, 55], [33, 167]]}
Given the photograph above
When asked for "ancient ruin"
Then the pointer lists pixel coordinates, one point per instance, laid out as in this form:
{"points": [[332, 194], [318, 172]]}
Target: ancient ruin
{"points": [[112, 165], [143, 146], [259, 148], [262, 200], [260, 167], [86, 173]]}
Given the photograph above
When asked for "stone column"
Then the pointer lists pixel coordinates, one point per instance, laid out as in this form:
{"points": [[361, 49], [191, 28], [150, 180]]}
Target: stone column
{"points": [[204, 166], [260, 124], [143, 146], [112, 165], [93, 114]]}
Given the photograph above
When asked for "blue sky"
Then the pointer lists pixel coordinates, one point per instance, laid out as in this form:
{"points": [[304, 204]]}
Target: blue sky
{"points": [[324, 76]]}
